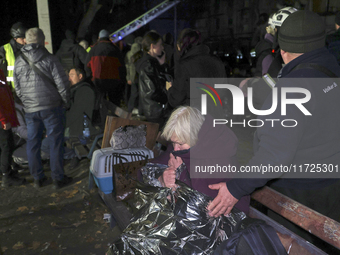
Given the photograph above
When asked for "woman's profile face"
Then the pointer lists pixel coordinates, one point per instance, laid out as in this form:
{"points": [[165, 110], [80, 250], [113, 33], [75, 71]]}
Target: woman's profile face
{"points": [[178, 145], [157, 49]]}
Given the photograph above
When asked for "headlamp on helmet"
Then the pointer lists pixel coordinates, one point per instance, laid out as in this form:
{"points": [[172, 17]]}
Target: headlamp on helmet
{"points": [[277, 18]]}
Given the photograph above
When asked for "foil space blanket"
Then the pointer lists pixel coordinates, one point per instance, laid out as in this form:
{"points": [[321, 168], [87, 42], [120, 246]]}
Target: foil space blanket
{"points": [[173, 222]]}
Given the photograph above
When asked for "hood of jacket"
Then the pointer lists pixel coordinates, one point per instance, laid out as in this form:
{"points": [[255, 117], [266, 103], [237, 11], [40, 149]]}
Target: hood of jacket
{"points": [[34, 52], [201, 49], [67, 45], [135, 48], [319, 56], [264, 45]]}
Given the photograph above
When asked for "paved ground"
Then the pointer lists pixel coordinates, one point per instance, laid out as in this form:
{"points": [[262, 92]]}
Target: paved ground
{"points": [[68, 221], [46, 221]]}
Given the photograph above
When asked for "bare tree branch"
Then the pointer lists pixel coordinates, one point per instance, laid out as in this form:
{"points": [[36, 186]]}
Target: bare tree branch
{"points": [[86, 21]]}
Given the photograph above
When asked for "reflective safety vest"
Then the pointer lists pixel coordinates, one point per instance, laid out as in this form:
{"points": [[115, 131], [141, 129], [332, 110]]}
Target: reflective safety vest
{"points": [[10, 58]]}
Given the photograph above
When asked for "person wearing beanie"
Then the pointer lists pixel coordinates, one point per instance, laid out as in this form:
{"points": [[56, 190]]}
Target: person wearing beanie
{"points": [[10, 51], [314, 139], [70, 54], [333, 40], [105, 63], [43, 88], [103, 34]]}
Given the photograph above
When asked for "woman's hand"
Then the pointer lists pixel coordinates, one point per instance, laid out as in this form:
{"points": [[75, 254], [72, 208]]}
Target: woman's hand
{"points": [[175, 161], [168, 177]]}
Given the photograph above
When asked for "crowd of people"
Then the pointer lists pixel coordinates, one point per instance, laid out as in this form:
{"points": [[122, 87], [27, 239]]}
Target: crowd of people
{"points": [[54, 92]]}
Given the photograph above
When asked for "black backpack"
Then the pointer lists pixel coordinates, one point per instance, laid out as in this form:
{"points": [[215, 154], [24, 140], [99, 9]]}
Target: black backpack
{"points": [[252, 237]]}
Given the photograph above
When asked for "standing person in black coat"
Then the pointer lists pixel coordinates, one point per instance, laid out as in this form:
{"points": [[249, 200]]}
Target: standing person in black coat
{"points": [[151, 70], [195, 61], [71, 54]]}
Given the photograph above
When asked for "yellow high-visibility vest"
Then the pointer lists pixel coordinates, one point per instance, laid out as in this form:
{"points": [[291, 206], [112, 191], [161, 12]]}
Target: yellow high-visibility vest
{"points": [[10, 58]]}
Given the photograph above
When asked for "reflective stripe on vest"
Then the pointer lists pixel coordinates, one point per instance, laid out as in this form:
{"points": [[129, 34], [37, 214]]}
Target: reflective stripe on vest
{"points": [[10, 58]]}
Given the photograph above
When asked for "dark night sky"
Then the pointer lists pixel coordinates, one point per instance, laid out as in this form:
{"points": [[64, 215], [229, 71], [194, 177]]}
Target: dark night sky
{"points": [[12, 11]]}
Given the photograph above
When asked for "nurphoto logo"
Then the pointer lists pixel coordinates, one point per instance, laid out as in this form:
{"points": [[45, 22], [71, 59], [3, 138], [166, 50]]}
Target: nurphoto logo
{"points": [[280, 101]]}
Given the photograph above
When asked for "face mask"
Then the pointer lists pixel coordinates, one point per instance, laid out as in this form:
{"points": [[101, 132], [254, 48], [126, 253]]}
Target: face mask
{"points": [[178, 153]]}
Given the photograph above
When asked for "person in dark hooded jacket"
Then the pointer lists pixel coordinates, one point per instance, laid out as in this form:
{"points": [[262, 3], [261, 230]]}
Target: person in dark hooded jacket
{"points": [[71, 54], [195, 61]]}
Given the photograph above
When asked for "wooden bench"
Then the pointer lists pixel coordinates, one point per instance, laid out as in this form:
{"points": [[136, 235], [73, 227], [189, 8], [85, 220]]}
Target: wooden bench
{"points": [[319, 225]]}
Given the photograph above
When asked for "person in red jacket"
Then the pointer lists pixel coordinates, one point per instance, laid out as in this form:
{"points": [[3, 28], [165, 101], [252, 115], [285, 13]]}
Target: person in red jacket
{"points": [[105, 63], [8, 119]]}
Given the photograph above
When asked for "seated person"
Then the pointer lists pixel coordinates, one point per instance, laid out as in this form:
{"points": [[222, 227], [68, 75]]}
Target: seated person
{"points": [[194, 141], [82, 101]]}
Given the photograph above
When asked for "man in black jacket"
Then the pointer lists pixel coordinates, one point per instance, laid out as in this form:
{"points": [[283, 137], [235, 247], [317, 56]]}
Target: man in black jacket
{"points": [[313, 141], [82, 101], [43, 95]]}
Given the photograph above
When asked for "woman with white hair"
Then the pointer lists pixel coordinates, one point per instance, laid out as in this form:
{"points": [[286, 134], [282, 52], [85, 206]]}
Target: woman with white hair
{"points": [[195, 142]]}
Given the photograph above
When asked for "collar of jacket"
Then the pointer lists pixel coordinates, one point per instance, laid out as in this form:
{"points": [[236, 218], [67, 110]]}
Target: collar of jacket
{"points": [[104, 39], [308, 57], [15, 46], [198, 50], [146, 57], [76, 86]]}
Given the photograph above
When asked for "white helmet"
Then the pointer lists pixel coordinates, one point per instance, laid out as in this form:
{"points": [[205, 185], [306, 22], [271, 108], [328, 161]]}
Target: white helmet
{"points": [[277, 18]]}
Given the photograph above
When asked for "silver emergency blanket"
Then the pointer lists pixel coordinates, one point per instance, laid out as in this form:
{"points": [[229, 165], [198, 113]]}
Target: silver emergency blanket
{"points": [[151, 172], [173, 222]]}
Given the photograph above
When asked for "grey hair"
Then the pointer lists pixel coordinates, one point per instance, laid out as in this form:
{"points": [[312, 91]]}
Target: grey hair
{"points": [[35, 35], [84, 44], [185, 122]]}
